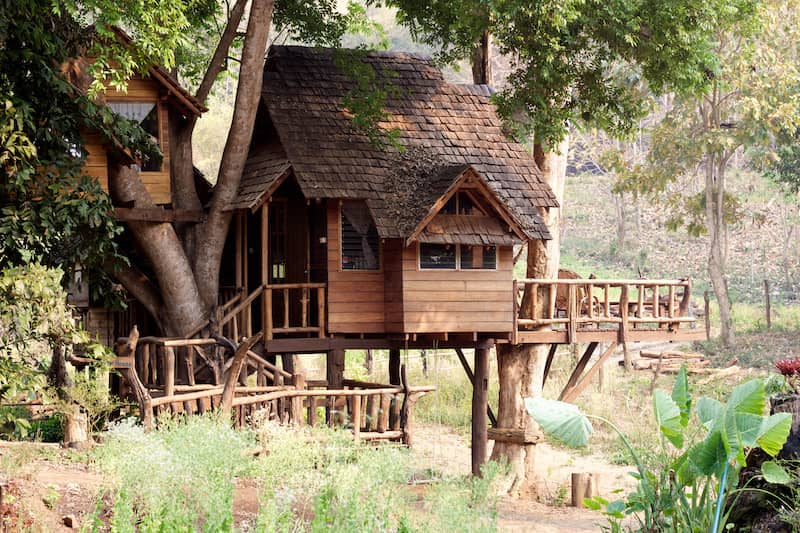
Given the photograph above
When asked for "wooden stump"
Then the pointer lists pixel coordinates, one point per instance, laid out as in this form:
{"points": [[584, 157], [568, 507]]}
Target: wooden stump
{"points": [[584, 485]]}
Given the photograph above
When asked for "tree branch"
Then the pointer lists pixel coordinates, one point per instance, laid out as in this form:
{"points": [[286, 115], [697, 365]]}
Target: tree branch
{"points": [[142, 289], [212, 233], [220, 53]]}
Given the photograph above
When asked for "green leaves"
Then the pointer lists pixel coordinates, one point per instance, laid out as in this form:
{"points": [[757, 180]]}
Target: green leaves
{"points": [[775, 473], [678, 494], [668, 417], [562, 421]]}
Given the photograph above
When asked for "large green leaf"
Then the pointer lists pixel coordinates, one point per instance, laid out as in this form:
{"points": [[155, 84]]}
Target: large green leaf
{"points": [[739, 432], [775, 473], [668, 416], [773, 432], [748, 397], [560, 420], [681, 396], [709, 455], [708, 411]]}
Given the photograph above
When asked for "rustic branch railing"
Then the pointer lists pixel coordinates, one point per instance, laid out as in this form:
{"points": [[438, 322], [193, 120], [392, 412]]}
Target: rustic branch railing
{"points": [[583, 304], [305, 293]]}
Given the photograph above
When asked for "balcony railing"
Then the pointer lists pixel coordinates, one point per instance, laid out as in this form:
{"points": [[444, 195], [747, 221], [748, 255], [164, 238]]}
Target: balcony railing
{"points": [[573, 306]]}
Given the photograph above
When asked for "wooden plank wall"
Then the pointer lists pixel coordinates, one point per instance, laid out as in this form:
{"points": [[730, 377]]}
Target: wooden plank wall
{"points": [[436, 301], [355, 298], [393, 285], [156, 183]]}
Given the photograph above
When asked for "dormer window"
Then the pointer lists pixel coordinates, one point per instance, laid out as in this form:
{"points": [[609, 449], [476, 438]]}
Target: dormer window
{"points": [[461, 203], [146, 114]]}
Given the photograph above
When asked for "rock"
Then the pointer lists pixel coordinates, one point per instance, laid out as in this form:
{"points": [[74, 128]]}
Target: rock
{"points": [[70, 521]]}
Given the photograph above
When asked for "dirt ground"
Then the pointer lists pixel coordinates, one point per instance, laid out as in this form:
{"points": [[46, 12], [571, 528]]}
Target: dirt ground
{"points": [[48, 491], [447, 451]]}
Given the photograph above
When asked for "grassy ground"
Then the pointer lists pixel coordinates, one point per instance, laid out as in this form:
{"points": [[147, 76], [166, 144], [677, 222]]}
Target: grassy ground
{"points": [[201, 475]]}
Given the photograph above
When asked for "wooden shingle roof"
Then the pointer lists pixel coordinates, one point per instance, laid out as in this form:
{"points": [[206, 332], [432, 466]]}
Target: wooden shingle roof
{"points": [[442, 128], [266, 168], [478, 230]]}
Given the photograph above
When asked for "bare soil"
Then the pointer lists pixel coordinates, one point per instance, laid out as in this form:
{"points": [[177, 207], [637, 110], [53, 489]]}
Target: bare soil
{"points": [[446, 451]]}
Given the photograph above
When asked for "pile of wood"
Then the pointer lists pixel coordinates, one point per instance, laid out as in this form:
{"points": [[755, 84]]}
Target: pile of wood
{"points": [[670, 361]]}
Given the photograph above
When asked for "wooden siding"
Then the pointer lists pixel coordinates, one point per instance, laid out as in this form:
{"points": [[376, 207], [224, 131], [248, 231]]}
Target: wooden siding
{"points": [[156, 183], [393, 285], [457, 301], [355, 298]]}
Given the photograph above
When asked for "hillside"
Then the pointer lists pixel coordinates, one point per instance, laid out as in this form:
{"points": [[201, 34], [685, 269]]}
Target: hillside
{"points": [[762, 244]]}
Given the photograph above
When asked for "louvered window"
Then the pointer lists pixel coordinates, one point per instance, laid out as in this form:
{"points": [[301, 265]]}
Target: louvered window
{"points": [[360, 240]]}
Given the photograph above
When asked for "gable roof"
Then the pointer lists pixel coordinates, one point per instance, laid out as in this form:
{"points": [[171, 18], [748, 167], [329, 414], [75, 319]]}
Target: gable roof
{"points": [[168, 81], [444, 128]]}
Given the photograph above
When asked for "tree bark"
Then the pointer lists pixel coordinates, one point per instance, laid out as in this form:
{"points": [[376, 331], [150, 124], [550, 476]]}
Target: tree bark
{"points": [[521, 367], [212, 233], [186, 265], [182, 306], [715, 163], [717, 233]]}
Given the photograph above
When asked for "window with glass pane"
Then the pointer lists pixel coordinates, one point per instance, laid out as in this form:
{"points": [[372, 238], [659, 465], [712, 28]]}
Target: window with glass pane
{"points": [[437, 256], [146, 114], [360, 240], [478, 257]]}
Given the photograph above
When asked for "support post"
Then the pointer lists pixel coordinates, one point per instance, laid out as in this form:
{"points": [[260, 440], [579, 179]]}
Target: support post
{"points": [[394, 366], [480, 402], [334, 373], [767, 304]]}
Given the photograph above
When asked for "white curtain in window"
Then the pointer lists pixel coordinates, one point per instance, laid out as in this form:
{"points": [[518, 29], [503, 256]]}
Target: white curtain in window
{"points": [[132, 110]]}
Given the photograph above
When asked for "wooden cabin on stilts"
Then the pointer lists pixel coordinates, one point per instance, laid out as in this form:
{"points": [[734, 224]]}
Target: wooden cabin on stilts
{"points": [[399, 236]]}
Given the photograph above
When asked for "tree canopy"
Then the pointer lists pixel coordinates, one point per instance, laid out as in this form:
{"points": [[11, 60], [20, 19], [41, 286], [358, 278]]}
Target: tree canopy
{"points": [[564, 53]]}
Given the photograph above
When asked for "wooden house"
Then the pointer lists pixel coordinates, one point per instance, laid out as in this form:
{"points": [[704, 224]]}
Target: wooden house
{"points": [[157, 101], [407, 238]]}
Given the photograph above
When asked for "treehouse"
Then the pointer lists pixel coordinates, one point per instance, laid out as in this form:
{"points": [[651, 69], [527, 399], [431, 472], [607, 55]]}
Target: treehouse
{"points": [[393, 235], [154, 101], [157, 102]]}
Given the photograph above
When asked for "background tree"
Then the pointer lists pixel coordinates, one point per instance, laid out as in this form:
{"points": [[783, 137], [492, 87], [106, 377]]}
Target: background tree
{"points": [[563, 59], [751, 102]]}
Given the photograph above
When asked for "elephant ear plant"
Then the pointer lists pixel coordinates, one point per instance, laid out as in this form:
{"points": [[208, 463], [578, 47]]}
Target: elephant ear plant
{"points": [[684, 488]]}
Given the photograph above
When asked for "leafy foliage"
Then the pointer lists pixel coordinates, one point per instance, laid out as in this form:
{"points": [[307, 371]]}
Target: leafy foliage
{"points": [[34, 319], [564, 53], [679, 495]]}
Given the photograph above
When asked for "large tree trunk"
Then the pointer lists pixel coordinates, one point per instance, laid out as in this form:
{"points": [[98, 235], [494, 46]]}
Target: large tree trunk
{"points": [[186, 263], [212, 233], [521, 368]]}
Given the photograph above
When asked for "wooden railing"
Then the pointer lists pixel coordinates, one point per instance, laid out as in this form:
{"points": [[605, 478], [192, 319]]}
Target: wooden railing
{"points": [[290, 293], [288, 308], [578, 305], [160, 368]]}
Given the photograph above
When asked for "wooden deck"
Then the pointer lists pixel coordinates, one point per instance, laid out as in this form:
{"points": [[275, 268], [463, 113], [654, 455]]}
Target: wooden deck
{"points": [[604, 310], [293, 316]]}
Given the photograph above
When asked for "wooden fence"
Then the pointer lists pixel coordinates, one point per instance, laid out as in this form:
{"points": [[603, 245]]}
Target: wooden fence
{"points": [[372, 411]]}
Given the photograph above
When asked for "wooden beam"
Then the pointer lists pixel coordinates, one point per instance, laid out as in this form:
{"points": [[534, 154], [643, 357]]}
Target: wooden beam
{"points": [[480, 402], [579, 368], [515, 435], [471, 376], [550, 356], [394, 366], [157, 214], [569, 395]]}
